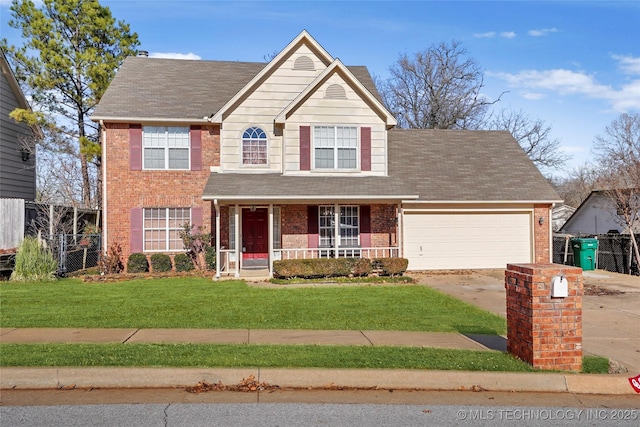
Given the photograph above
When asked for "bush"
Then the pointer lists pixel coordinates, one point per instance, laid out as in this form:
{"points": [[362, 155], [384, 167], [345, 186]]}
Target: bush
{"points": [[111, 263], [321, 267], [210, 258], [34, 262], [183, 262], [160, 263], [137, 263], [391, 266]]}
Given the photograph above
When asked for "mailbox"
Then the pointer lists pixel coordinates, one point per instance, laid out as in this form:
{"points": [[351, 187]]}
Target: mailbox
{"points": [[559, 287]]}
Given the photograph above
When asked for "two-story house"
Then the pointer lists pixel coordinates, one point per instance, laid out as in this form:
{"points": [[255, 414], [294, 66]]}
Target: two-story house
{"points": [[299, 157]]}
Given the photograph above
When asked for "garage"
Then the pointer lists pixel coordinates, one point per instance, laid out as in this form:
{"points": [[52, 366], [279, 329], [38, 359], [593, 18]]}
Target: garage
{"points": [[454, 240]]}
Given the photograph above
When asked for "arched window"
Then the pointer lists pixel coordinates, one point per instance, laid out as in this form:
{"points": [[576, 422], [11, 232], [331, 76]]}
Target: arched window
{"points": [[254, 146]]}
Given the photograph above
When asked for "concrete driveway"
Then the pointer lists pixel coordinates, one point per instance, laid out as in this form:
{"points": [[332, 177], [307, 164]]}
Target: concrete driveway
{"points": [[610, 312]]}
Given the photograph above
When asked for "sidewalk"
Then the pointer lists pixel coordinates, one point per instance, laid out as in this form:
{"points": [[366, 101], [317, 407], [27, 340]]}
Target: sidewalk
{"points": [[61, 378]]}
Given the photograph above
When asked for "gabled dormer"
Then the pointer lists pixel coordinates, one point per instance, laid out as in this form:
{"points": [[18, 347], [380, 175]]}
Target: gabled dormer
{"points": [[305, 113]]}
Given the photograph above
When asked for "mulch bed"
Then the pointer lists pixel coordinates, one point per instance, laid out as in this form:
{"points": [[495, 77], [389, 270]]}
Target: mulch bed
{"points": [[594, 290]]}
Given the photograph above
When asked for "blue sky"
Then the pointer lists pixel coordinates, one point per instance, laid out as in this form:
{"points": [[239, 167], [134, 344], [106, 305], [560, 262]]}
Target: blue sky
{"points": [[573, 64]]}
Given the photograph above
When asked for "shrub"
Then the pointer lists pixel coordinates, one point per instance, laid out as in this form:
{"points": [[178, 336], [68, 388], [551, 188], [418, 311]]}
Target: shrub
{"points": [[160, 263], [111, 262], [34, 262], [210, 258], [361, 267], [323, 267], [183, 262], [196, 242], [391, 266], [137, 263]]}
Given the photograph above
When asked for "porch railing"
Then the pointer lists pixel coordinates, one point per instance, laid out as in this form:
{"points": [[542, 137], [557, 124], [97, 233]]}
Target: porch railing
{"points": [[304, 253]]}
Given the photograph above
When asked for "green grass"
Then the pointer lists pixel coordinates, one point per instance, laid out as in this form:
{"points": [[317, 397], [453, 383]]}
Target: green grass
{"points": [[195, 302], [281, 356], [595, 365]]}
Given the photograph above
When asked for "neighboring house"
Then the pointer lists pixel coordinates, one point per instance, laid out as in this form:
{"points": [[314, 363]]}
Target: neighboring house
{"points": [[560, 215], [299, 158], [17, 159], [596, 215]]}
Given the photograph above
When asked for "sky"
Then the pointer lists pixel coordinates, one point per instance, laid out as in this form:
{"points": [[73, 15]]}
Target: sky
{"points": [[573, 64]]}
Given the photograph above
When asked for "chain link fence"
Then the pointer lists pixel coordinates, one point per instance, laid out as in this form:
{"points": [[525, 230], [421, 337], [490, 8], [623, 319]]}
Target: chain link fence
{"points": [[75, 252], [614, 252]]}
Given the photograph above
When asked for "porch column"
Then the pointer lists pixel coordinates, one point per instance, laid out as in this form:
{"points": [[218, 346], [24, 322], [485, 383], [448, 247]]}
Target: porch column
{"points": [[399, 217], [217, 231], [270, 239], [336, 230], [236, 220]]}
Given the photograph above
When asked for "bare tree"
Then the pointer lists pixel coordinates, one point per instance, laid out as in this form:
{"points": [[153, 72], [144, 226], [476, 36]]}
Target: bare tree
{"points": [[439, 88], [618, 155], [533, 135], [575, 188]]}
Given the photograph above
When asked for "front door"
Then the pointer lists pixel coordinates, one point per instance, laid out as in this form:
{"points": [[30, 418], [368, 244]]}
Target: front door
{"points": [[255, 235]]}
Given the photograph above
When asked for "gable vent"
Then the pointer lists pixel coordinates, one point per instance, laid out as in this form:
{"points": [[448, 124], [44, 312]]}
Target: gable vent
{"points": [[335, 91], [304, 63]]}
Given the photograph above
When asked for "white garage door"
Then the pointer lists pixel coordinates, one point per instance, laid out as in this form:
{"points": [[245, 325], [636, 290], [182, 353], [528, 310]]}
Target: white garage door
{"points": [[466, 240]]}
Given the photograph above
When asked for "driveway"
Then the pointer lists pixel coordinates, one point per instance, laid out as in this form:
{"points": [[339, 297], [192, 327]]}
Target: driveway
{"points": [[610, 310]]}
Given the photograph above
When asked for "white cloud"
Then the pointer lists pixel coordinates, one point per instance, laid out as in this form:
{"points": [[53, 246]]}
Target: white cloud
{"points": [[492, 34], [535, 84], [542, 32], [173, 55], [487, 35], [628, 64]]}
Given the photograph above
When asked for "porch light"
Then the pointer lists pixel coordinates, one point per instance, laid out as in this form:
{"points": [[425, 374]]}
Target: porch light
{"points": [[25, 154], [541, 220]]}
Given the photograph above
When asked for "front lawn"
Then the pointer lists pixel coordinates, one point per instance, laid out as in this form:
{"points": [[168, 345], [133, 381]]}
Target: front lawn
{"points": [[195, 302]]}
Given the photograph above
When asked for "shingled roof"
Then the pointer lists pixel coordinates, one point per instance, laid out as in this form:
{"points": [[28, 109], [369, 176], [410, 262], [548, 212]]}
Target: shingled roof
{"points": [[172, 89], [465, 166]]}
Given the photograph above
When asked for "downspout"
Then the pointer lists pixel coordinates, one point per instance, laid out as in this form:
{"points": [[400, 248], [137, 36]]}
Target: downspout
{"points": [[217, 209], [104, 187]]}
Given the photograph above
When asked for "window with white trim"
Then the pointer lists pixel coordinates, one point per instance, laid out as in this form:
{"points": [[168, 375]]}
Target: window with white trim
{"points": [[165, 147], [335, 147], [277, 233], [232, 227], [349, 226], [161, 228], [254, 147]]}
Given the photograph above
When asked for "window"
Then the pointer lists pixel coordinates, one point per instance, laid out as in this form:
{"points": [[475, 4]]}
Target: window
{"points": [[165, 147], [349, 226], [232, 227], [254, 147], [335, 147], [162, 228]]}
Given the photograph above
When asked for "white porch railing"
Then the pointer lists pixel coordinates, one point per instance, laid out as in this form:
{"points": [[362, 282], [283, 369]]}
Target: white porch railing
{"points": [[304, 253]]}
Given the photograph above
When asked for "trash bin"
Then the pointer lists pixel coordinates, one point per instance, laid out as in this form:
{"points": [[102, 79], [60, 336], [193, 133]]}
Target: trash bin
{"points": [[584, 253]]}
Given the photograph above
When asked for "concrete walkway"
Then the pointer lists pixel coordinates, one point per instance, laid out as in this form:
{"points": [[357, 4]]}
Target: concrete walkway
{"points": [[251, 336]]}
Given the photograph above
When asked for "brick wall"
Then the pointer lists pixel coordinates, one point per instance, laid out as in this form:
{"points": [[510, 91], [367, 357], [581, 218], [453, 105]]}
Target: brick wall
{"points": [[127, 189], [543, 331], [542, 233]]}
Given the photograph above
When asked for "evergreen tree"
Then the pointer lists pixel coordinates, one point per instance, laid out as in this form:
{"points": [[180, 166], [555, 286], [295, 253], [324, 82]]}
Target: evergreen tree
{"points": [[71, 51]]}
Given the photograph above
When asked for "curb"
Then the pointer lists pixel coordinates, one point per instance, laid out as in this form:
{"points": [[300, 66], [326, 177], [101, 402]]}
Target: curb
{"points": [[68, 378]]}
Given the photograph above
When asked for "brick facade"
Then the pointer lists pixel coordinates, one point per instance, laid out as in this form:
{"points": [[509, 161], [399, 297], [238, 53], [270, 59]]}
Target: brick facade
{"points": [[542, 234], [544, 331], [127, 189]]}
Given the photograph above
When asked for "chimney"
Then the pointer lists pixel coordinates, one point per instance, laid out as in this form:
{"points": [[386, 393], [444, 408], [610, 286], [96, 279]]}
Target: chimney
{"points": [[143, 54]]}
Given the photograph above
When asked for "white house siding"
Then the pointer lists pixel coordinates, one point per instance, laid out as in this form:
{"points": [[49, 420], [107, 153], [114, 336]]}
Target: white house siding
{"points": [[317, 110], [596, 216], [261, 107]]}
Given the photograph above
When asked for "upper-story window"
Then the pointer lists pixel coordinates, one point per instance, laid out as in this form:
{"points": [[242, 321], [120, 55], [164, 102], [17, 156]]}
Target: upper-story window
{"points": [[254, 147], [335, 147], [165, 147]]}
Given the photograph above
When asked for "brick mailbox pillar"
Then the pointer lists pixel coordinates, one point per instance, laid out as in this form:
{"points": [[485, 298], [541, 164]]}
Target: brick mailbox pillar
{"points": [[544, 330]]}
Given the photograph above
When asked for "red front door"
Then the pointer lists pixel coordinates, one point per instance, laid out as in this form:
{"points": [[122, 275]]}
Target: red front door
{"points": [[255, 234]]}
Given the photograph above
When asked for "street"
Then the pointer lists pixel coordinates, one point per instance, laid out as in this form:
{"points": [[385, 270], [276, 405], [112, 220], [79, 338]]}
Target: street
{"points": [[176, 407]]}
